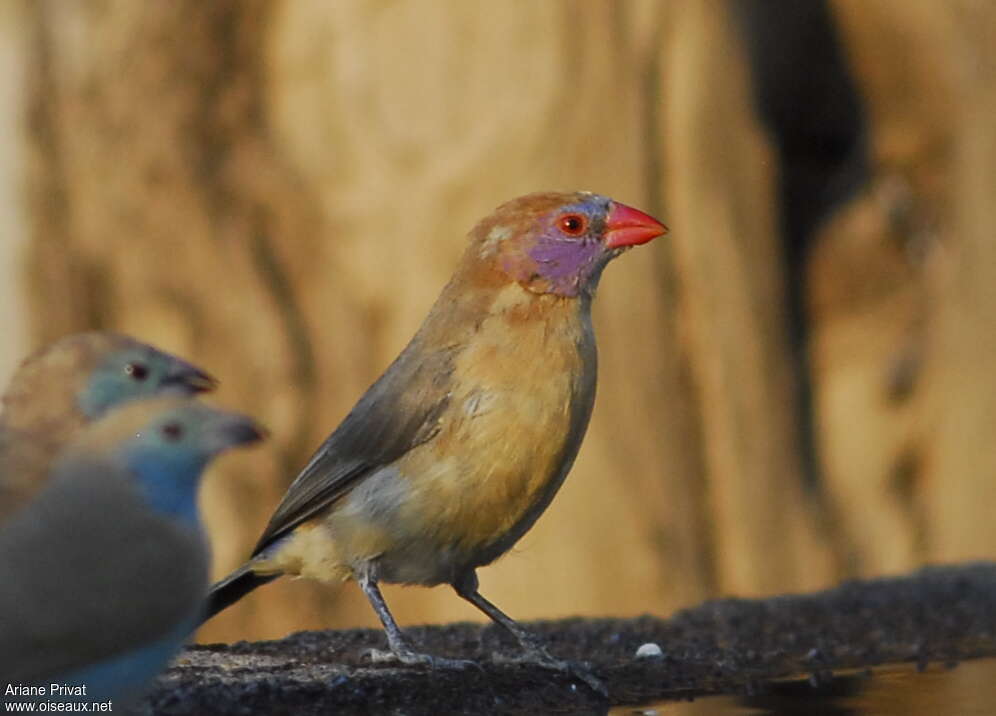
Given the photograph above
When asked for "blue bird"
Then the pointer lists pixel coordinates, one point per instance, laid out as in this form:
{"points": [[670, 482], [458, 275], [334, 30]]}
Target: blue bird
{"points": [[105, 571], [68, 384]]}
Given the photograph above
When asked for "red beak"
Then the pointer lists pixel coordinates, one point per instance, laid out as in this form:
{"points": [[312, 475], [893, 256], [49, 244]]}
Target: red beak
{"points": [[626, 226]]}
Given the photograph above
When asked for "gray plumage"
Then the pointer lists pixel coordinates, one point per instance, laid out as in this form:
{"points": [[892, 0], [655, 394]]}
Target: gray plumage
{"points": [[105, 569], [84, 554]]}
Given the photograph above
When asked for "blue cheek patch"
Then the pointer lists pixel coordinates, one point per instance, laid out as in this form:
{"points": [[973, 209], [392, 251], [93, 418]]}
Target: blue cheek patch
{"points": [[107, 391], [100, 393]]}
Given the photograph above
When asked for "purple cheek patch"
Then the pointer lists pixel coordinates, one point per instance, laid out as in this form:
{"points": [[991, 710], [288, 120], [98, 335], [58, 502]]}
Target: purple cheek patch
{"points": [[565, 263]]}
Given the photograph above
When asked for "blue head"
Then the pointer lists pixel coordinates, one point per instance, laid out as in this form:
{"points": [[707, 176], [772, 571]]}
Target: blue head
{"points": [[80, 377], [165, 443], [559, 243], [125, 369]]}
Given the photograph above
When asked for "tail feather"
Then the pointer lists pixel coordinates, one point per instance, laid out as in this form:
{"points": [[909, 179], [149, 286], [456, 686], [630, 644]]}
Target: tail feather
{"points": [[232, 588]]}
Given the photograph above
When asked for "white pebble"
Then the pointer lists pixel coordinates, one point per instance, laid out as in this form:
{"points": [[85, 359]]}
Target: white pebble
{"points": [[648, 650]]}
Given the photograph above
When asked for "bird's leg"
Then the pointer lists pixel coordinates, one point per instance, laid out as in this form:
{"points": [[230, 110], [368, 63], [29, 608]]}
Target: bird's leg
{"points": [[401, 649], [535, 652], [395, 637], [467, 588]]}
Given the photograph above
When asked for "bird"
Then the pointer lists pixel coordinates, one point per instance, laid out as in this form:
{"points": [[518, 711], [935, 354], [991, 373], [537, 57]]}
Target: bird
{"points": [[66, 385], [454, 452], [105, 570]]}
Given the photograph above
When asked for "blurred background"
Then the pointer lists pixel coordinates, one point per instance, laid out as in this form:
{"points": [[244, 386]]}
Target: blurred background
{"points": [[797, 385]]}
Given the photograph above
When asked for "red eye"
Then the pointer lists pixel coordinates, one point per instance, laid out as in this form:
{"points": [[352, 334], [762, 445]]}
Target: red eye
{"points": [[573, 224]]}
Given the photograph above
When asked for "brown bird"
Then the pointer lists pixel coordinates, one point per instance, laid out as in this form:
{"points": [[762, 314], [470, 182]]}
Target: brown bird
{"points": [[452, 455]]}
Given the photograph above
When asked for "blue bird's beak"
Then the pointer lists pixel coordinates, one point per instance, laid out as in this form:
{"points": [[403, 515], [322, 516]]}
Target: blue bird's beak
{"points": [[231, 430], [218, 431], [189, 378]]}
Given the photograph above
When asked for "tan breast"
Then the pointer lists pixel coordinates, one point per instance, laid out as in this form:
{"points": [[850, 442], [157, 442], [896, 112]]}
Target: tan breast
{"points": [[499, 451], [502, 441]]}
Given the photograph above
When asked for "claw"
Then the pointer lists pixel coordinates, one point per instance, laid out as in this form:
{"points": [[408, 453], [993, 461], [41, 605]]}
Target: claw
{"points": [[536, 655], [410, 657]]}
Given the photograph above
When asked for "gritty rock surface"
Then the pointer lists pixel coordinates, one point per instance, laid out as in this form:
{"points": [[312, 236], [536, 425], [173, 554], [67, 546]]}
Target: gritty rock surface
{"points": [[936, 615]]}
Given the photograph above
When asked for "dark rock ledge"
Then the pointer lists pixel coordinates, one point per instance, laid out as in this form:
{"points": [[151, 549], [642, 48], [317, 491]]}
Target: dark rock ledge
{"points": [[937, 615]]}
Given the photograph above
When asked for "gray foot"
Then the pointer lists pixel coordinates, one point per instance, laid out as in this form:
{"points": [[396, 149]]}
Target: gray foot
{"points": [[410, 657], [536, 655]]}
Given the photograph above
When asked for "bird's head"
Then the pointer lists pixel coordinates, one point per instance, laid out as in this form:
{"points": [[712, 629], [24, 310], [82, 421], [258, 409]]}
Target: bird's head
{"points": [[78, 378], [124, 369], [559, 243], [165, 443]]}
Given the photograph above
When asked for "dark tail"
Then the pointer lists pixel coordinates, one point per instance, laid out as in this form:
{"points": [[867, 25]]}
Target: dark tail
{"points": [[232, 588]]}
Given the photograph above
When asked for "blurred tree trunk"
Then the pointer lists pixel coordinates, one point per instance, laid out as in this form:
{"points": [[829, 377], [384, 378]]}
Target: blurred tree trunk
{"points": [[903, 292], [13, 58], [279, 190]]}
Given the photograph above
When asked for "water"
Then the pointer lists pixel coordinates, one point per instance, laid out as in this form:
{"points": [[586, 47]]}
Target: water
{"points": [[968, 689]]}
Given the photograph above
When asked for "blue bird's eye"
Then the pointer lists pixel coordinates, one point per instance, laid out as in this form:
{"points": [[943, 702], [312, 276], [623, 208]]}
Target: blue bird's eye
{"points": [[573, 224], [172, 431], [136, 371]]}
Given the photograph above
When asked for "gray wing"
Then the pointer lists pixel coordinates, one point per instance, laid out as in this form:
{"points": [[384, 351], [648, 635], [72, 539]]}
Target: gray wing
{"points": [[399, 412], [88, 573]]}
